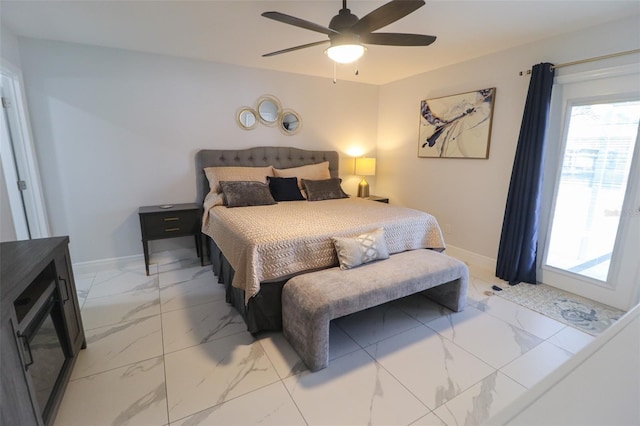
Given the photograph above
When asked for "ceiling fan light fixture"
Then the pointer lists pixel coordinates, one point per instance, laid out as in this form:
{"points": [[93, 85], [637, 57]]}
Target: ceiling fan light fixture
{"points": [[345, 53]]}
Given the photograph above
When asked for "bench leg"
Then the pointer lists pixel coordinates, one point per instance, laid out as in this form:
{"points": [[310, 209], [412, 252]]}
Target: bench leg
{"points": [[308, 334], [452, 295]]}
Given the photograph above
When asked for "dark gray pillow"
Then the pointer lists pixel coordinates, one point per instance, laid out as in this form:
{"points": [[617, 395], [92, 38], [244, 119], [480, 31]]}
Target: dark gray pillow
{"points": [[246, 193], [327, 189]]}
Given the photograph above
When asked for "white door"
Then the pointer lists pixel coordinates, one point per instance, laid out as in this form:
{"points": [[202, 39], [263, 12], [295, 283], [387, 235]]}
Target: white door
{"points": [[19, 163], [590, 221], [11, 174]]}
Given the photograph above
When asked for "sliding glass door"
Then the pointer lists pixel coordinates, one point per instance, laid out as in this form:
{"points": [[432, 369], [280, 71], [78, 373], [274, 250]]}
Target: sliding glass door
{"points": [[592, 241]]}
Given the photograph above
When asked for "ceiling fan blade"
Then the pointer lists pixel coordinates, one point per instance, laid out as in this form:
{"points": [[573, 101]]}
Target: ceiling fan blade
{"points": [[292, 20], [291, 49], [385, 15], [397, 39]]}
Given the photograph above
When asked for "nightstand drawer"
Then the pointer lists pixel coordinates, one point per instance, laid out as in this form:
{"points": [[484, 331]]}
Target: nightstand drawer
{"points": [[170, 224]]}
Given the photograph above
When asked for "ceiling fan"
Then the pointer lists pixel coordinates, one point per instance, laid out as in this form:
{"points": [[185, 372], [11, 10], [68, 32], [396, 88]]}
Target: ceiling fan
{"points": [[347, 34]]}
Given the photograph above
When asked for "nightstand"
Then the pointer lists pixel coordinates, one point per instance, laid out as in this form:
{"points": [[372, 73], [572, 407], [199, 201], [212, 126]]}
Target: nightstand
{"points": [[378, 199], [170, 221]]}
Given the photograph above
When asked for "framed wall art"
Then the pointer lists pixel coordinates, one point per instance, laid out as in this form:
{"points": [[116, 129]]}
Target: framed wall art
{"points": [[457, 126]]}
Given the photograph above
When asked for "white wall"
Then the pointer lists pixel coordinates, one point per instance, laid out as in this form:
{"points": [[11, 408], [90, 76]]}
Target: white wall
{"points": [[116, 130], [9, 58], [600, 385], [468, 196], [9, 48]]}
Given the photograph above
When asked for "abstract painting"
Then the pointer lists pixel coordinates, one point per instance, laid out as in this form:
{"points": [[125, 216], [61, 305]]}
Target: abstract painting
{"points": [[457, 126]]}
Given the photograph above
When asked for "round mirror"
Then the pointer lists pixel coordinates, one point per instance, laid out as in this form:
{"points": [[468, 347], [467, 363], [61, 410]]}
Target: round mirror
{"points": [[268, 110], [290, 123], [247, 118]]}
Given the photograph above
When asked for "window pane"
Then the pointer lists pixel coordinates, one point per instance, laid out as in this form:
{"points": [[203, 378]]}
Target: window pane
{"points": [[593, 182]]}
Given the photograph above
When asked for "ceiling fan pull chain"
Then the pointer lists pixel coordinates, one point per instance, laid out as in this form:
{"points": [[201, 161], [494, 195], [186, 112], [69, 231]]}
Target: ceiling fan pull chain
{"points": [[357, 68], [334, 73]]}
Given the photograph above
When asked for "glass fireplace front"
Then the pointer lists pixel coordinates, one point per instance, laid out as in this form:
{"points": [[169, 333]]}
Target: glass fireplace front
{"points": [[42, 340]]}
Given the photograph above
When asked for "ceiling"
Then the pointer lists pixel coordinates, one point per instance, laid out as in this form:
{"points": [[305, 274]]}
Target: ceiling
{"points": [[234, 32]]}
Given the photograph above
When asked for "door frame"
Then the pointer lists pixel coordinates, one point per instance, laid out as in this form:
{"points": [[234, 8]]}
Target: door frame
{"points": [[553, 165], [10, 178], [26, 159]]}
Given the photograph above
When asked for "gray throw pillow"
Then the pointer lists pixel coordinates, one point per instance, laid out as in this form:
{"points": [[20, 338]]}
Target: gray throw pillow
{"points": [[326, 189], [246, 193], [365, 248]]}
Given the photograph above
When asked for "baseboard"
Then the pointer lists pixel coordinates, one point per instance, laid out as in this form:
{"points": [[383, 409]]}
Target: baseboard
{"points": [[470, 257]]}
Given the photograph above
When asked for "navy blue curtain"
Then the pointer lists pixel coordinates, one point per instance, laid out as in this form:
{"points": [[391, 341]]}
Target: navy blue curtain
{"points": [[519, 239]]}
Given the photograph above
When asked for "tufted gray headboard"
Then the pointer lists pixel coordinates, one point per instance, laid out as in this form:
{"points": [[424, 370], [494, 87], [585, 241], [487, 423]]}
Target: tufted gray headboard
{"points": [[278, 157]]}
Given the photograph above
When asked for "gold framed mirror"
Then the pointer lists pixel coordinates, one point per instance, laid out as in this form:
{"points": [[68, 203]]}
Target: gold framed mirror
{"points": [[269, 110], [290, 122], [247, 118]]}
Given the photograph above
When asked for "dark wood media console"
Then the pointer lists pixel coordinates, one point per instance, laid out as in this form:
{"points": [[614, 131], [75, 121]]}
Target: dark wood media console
{"points": [[41, 329]]}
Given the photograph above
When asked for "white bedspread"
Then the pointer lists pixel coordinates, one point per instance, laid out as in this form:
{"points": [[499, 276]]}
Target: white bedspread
{"points": [[268, 242]]}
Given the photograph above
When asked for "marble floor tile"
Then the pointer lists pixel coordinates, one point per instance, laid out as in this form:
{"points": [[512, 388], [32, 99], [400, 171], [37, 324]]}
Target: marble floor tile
{"points": [[112, 282], [204, 289], [270, 405], [286, 360], [375, 324], [83, 285], [429, 420], [353, 390], [282, 355], [421, 308], [480, 282], [571, 339], [526, 319], [130, 395], [168, 276], [80, 273], [199, 324], [486, 275], [117, 345], [536, 364], [340, 343], [494, 341], [433, 368], [206, 375], [167, 257], [477, 404], [168, 348], [110, 310], [125, 264]]}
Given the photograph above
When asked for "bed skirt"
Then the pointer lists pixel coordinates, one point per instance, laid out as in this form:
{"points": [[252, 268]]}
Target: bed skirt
{"points": [[264, 310]]}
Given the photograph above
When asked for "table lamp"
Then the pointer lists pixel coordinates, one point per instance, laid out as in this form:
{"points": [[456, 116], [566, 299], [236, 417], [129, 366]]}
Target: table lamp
{"points": [[364, 167]]}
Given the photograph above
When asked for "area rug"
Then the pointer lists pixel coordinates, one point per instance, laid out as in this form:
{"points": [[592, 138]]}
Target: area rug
{"points": [[584, 314]]}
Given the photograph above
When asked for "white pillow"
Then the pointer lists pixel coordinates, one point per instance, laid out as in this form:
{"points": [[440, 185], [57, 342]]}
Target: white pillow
{"points": [[364, 248], [318, 171]]}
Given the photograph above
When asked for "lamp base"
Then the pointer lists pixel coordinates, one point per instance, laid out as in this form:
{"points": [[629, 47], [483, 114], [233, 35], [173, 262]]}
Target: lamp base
{"points": [[363, 189]]}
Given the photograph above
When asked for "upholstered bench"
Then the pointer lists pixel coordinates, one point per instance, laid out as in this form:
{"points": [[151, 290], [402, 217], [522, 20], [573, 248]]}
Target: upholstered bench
{"points": [[310, 301]]}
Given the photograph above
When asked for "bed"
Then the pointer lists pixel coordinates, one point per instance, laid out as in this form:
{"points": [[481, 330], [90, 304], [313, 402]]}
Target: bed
{"points": [[255, 250]]}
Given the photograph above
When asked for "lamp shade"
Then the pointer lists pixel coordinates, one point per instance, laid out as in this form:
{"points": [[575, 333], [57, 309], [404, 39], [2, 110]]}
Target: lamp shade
{"points": [[365, 166], [345, 53]]}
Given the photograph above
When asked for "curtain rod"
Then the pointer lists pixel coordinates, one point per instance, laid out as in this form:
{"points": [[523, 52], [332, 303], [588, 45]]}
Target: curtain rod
{"points": [[582, 61]]}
